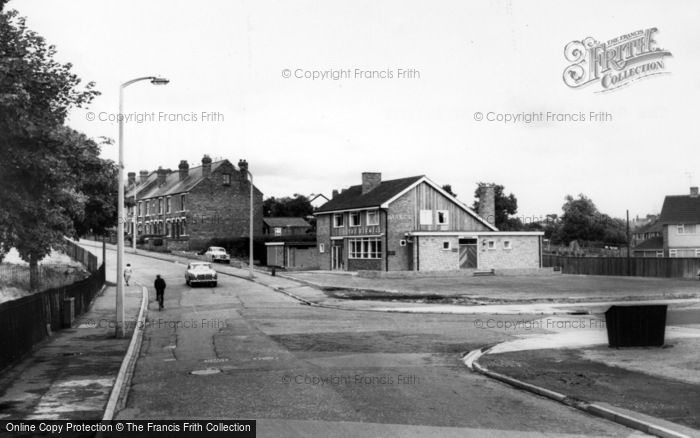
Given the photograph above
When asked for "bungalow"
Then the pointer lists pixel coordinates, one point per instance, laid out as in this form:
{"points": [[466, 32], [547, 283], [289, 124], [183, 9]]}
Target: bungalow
{"points": [[412, 224], [285, 226]]}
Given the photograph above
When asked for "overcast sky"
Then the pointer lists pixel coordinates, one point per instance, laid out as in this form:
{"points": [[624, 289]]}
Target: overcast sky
{"points": [[311, 136]]}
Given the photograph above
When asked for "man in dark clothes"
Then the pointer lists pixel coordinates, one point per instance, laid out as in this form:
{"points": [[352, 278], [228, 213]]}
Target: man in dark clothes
{"points": [[159, 284]]}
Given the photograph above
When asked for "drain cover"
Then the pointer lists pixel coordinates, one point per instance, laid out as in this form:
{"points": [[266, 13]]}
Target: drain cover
{"points": [[206, 372]]}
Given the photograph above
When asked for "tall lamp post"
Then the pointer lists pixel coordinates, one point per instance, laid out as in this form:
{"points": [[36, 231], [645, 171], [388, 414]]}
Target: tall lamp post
{"points": [[243, 166], [155, 80]]}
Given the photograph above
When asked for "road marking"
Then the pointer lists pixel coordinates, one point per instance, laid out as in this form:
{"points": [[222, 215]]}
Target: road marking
{"points": [[206, 372]]}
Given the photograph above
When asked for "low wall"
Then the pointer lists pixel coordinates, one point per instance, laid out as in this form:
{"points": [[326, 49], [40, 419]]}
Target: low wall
{"points": [[457, 273], [621, 266]]}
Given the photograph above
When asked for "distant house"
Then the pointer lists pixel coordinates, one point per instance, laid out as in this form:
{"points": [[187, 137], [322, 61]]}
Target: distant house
{"points": [[680, 219], [317, 200], [648, 240], [412, 224], [285, 226], [188, 207]]}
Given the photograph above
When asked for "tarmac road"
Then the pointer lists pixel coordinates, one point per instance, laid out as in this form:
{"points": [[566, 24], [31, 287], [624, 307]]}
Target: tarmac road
{"points": [[307, 371]]}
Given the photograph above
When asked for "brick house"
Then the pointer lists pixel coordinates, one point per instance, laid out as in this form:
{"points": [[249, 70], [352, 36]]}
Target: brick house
{"points": [[189, 207], [412, 224], [680, 219], [285, 226]]}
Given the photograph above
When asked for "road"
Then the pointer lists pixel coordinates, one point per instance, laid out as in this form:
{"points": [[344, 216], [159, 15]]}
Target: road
{"points": [[242, 350]]}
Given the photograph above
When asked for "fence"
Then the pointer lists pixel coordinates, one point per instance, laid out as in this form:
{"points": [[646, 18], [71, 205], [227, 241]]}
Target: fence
{"points": [[26, 321], [638, 266], [80, 254]]}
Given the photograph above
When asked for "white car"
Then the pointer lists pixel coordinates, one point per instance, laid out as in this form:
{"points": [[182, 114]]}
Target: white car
{"points": [[217, 254], [200, 272]]}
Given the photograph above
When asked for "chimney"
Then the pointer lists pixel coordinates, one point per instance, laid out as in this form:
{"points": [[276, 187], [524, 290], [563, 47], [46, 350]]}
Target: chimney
{"points": [[693, 192], [184, 169], [243, 166], [132, 178], [370, 181], [487, 203], [206, 166], [335, 193], [162, 173], [143, 176]]}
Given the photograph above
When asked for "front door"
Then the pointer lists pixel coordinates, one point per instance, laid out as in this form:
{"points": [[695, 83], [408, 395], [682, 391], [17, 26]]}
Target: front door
{"points": [[337, 256], [467, 254]]}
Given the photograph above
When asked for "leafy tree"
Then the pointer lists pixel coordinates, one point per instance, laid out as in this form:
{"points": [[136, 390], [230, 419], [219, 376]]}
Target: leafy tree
{"points": [[582, 222], [296, 206], [448, 189], [40, 200], [505, 206]]}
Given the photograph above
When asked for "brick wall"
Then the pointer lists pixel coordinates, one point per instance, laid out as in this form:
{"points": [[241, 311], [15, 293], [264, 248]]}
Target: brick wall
{"points": [[323, 229], [434, 258], [523, 255]]}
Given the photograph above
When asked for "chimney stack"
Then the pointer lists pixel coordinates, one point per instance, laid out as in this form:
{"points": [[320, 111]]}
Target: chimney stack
{"points": [[487, 203], [335, 193], [693, 192], [243, 167], [143, 176], [162, 173], [132, 178], [206, 166], [370, 181], [184, 169]]}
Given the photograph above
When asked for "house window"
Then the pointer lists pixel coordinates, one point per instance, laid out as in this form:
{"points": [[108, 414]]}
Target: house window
{"points": [[366, 248], [183, 227], [160, 205], [147, 207], [183, 205], [673, 253], [372, 217], [321, 247], [491, 244], [697, 252], [426, 217], [227, 179], [443, 217], [168, 206], [355, 219], [338, 220], [686, 229], [446, 245], [140, 209], [659, 253], [278, 231], [507, 245]]}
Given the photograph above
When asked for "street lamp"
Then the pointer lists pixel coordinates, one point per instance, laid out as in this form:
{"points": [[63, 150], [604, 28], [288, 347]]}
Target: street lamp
{"points": [[155, 80], [250, 238]]}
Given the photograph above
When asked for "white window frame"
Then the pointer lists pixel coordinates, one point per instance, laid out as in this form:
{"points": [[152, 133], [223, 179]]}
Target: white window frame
{"points": [[160, 205], [446, 216], [673, 253], [183, 202], [277, 231], [681, 229], [659, 253], [226, 178], [491, 244], [321, 248], [697, 252], [447, 247], [337, 216], [365, 248], [507, 244], [168, 204], [354, 214], [140, 209], [426, 217], [375, 214], [148, 205]]}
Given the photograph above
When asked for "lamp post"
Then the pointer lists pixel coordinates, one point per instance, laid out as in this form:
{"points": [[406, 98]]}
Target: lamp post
{"points": [[243, 166], [120, 202]]}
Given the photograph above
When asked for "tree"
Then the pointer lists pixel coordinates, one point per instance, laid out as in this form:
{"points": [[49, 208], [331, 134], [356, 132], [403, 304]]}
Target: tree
{"points": [[448, 189], [582, 222], [296, 206], [40, 199], [505, 207]]}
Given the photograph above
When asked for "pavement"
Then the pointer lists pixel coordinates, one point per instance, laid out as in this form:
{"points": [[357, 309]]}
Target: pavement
{"points": [[568, 357], [71, 374]]}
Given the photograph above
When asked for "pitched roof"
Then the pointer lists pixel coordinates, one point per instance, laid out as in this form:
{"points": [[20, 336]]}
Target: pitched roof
{"points": [[353, 197], [656, 243], [285, 222], [680, 209], [652, 227], [173, 185]]}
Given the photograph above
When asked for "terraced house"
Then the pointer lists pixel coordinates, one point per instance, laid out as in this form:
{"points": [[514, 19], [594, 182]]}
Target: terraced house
{"points": [[412, 224], [680, 219], [189, 207]]}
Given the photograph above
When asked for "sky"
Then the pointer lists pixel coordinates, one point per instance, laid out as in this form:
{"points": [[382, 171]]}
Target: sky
{"points": [[416, 73]]}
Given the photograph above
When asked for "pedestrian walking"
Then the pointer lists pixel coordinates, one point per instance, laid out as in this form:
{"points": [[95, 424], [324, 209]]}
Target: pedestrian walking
{"points": [[159, 284], [127, 273]]}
